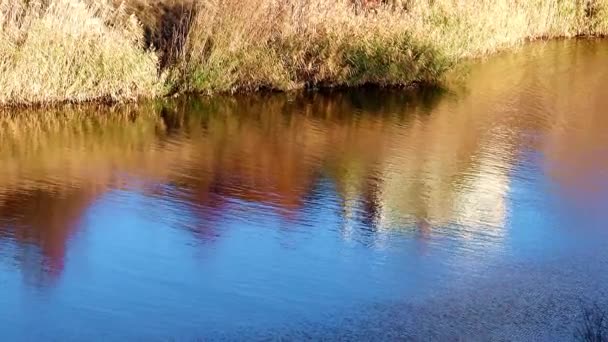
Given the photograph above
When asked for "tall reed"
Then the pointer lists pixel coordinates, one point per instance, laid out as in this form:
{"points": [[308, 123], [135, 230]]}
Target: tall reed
{"points": [[236, 45], [71, 50], [79, 50]]}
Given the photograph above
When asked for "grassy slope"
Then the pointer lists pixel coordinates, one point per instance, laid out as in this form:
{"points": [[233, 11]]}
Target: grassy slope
{"points": [[79, 50]]}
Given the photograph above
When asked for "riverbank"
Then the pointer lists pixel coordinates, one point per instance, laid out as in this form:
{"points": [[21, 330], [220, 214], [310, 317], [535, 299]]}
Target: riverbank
{"points": [[77, 50], [477, 213]]}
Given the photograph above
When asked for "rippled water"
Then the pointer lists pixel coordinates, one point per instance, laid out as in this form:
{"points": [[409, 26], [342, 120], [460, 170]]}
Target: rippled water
{"points": [[476, 213]]}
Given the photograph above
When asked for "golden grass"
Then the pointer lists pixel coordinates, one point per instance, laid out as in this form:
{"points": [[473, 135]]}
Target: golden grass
{"points": [[246, 45], [80, 50], [236, 45], [68, 50]]}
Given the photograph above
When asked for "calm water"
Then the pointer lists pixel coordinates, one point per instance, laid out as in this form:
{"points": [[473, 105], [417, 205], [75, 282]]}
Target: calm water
{"points": [[478, 213]]}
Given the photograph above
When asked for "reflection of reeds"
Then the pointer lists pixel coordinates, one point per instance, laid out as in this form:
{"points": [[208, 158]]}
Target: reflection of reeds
{"points": [[272, 146], [72, 145], [78, 50], [427, 157], [594, 325]]}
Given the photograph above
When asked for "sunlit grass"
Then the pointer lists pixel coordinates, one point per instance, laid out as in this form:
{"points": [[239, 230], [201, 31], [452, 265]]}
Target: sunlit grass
{"points": [[81, 50], [69, 50]]}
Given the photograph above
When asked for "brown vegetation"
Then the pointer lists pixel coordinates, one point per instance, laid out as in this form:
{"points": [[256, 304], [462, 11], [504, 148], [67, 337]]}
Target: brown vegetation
{"points": [[81, 50]]}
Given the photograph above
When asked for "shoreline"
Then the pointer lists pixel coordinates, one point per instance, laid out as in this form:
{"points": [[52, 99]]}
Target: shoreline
{"points": [[134, 51], [107, 102]]}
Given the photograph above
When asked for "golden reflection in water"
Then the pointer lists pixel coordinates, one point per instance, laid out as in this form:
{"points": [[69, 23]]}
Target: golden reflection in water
{"points": [[397, 160]]}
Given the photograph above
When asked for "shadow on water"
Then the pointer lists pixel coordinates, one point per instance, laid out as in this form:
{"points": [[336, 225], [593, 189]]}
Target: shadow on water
{"points": [[424, 183]]}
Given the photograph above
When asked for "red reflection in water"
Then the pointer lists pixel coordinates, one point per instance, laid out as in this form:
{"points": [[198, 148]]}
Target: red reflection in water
{"points": [[42, 222]]}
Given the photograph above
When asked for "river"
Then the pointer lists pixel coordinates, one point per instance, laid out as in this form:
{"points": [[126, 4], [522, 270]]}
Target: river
{"points": [[477, 212]]}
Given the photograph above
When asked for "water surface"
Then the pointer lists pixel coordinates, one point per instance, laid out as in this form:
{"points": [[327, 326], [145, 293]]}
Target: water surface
{"points": [[476, 213]]}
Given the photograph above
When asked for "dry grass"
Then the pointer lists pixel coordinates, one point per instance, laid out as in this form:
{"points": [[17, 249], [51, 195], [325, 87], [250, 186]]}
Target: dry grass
{"points": [[477, 28], [234, 45], [78, 50], [68, 50]]}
